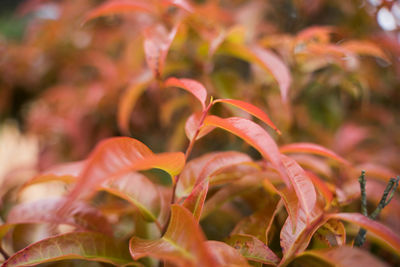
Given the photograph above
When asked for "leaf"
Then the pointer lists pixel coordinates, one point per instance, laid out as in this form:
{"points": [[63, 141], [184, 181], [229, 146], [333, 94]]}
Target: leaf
{"points": [[258, 223], [193, 123], [313, 149], [253, 249], [115, 7], [266, 60], [82, 216], [332, 233], [129, 98], [66, 172], [156, 45], [199, 169], [253, 110], [322, 188], [385, 234], [225, 255], [345, 256], [365, 48], [303, 186], [117, 156], [77, 245], [139, 191], [183, 244], [191, 86], [218, 161], [255, 136]]}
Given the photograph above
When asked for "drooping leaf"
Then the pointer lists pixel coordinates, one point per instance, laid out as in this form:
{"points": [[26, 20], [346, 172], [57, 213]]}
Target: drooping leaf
{"points": [[266, 60], [385, 234], [183, 244], [192, 86], [119, 7], [129, 98], [225, 255], [252, 248], [138, 190], [77, 245], [365, 48], [255, 136], [195, 201], [344, 256], [117, 156], [156, 45], [313, 149], [82, 216], [253, 110]]}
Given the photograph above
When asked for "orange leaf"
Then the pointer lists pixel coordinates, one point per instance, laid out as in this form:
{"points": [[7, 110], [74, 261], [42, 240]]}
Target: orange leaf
{"points": [[255, 136], [129, 98], [192, 86], [225, 255], [313, 149], [365, 48], [119, 7], [193, 123], [253, 110]]}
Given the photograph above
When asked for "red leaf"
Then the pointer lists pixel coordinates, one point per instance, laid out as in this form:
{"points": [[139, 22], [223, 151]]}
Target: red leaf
{"points": [[128, 100], [253, 110], [253, 249], [225, 255], [365, 48], [156, 45], [344, 256], [385, 234], [192, 86], [313, 149], [183, 244], [119, 7], [195, 201], [302, 184], [255, 136], [117, 156], [78, 245]]}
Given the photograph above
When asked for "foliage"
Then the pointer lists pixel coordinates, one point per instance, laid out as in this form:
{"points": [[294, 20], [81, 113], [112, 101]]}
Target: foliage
{"points": [[95, 83]]}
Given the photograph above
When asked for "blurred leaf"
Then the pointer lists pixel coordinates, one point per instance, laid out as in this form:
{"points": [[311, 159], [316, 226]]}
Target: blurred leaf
{"points": [[266, 60], [78, 245], [313, 149], [253, 249], [365, 48], [183, 244], [156, 45], [193, 123], [344, 256], [332, 233], [129, 98]]}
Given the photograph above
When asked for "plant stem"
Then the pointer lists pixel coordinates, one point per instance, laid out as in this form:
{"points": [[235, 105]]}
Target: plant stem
{"points": [[187, 154], [4, 253], [362, 182]]}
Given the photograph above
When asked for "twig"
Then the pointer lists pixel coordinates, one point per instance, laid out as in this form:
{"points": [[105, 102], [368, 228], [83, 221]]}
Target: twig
{"points": [[385, 200], [4, 253]]}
